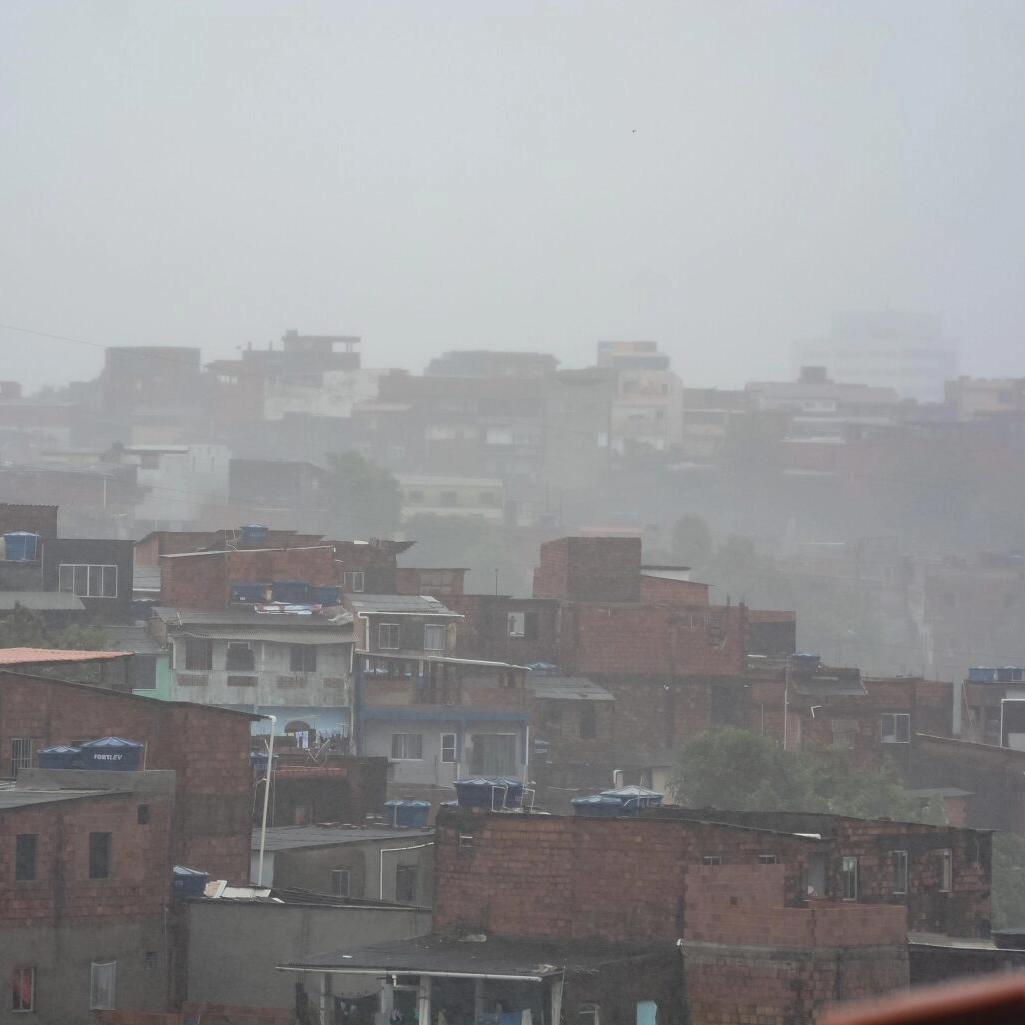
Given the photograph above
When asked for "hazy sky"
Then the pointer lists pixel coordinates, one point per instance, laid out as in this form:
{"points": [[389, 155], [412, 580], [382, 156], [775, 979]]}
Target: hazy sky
{"points": [[718, 176]]}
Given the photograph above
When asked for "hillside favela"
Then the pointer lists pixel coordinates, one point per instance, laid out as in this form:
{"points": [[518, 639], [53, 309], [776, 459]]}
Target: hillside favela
{"points": [[512, 515]]}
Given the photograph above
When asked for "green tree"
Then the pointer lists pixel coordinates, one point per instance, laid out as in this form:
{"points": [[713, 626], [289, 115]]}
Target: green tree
{"points": [[732, 768], [27, 628], [365, 499]]}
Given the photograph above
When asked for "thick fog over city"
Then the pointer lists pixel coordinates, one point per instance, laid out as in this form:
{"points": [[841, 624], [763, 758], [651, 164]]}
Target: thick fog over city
{"points": [[510, 514], [723, 177]]}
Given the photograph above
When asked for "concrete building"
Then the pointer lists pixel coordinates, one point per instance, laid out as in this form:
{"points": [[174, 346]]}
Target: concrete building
{"points": [[295, 666], [904, 351], [394, 865], [647, 408]]}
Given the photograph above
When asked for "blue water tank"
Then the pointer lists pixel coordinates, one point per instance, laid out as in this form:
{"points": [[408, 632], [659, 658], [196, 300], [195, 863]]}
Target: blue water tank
{"points": [[634, 799], [408, 813], [188, 882], [114, 753], [597, 806], [21, 546], [60, 757], [492, 792], [254, 533]]}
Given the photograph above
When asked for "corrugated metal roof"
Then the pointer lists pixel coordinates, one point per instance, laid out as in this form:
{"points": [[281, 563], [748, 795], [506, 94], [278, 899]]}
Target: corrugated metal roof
{"points": [[283, 838], [532, 960], [52, 656], [567, 688], [41, 601], [410, 604], [249, 617], [16, 798], [337, 635]]}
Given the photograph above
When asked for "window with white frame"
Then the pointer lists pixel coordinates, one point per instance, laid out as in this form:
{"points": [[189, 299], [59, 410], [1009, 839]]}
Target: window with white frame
{"points": [[434, 637], [23, 989], [896, 728], [448, 747], [767, 859], [900, 871], [87, 581], [517, 624], [407, 747], [388, 636], [711, 859], [849, 877], [340, 882], [102, 986], [354, 581], [21, 753], [946, 870]]}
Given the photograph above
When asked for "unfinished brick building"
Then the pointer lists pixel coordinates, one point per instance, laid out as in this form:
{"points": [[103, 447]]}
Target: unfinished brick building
{"points": [[83, 916], [207, 747]]}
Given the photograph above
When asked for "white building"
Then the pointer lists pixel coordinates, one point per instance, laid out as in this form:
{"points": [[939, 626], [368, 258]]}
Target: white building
{"points": [[904, 351]]}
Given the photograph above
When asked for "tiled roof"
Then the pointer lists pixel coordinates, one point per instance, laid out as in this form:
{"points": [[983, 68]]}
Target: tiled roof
{"points": [[37, 656]]}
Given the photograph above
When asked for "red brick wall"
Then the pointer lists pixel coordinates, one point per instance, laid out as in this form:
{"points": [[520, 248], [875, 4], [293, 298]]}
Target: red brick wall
{"points": [[609, 879], [965, 911], [207, 748], [652, 639], [204, 581], [604, 569], [484, 632], [62, 892], [559, 723], [748, 959], [662, 591]]}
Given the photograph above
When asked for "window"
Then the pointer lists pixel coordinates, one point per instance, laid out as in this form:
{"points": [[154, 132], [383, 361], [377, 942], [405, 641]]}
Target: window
{"points": [[405, 884], [449, 499], [711, 859], [588, 722], [303, 658], [23, 989], [87, 581], [407, 747], [388, 636], [21, 754], [946, 871], [354, 581], [900, 871], [240, 657], [896, 728], [493, 754], [99, 855], [767, 859], [102, 981], [25, 847], [448, 747], [849, 877], [142, 815], [517, 624], [199, 653], [340, 882], [149, 960], [465, 841], [434, 637]]}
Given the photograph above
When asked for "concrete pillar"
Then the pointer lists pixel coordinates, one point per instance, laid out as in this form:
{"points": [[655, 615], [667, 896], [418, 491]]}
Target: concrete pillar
{"points": [[423, 1016], [385, 1003], [327, 1003]]}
